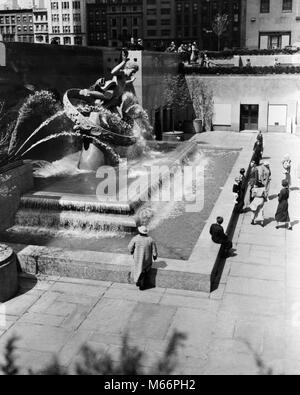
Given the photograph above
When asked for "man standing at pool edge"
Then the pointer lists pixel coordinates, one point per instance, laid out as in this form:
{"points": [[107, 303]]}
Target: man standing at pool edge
{"points": [[144, 251]]}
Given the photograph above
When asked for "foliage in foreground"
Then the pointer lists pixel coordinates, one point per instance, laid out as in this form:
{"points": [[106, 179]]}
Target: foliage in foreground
{"points": [[98, 363]]}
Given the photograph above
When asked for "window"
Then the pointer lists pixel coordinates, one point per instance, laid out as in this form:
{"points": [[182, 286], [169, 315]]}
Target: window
{"points": [[76, 17], [66, 17], [65, 5], [77, 29], [277, 115], [67, 40], [274, 40], [264, 6], [78, 40], [76, 5], [287, 5]]}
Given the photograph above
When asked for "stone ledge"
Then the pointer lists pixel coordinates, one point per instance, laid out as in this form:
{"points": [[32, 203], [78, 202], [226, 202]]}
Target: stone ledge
{"points": [[91, 265], [206, 253]]}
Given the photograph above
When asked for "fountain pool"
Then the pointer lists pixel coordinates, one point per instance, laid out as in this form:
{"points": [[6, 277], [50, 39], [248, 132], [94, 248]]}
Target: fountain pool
{"points": [[64, 211]]}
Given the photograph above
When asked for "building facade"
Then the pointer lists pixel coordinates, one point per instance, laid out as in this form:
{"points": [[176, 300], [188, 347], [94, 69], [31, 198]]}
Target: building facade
{"points": [[124, 20], [96, 12], [40, 20], [17, 25], [272, 24], [67, 22], [159, 23]]}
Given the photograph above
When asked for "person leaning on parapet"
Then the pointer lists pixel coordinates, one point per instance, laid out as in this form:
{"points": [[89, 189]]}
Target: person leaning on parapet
{"points": [[144, 251], [172, 47], [220, 237], [132, 45], [248, 63], [140, 45]]}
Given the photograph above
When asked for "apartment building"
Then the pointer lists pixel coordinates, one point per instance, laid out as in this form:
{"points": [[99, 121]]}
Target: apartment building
{"points": [[271, 24], [40, 22], [17, 25], [67, 22]]}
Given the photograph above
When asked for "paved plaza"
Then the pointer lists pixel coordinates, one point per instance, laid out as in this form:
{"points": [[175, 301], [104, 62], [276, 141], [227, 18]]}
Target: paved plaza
{"points": [[257, 304]]}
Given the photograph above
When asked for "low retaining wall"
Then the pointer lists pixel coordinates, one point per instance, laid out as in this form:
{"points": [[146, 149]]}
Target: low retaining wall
{"points": [[8, 273], [15, 180]]}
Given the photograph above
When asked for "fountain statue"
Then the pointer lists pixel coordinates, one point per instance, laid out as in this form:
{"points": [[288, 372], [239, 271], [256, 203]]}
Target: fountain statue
{"points": [[105, 115], [106, 118]]}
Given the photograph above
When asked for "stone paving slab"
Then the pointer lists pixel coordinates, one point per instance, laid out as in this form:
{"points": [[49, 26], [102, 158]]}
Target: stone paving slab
{"points": [[256, 287], [109, 315], [139, 326], [256, 271], [37, 337]]}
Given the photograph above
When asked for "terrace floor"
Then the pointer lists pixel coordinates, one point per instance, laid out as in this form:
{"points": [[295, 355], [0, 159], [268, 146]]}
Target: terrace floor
{"points": [[258, 303]]}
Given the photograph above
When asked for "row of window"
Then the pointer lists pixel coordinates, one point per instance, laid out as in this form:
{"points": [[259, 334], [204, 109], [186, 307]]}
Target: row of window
{"points": [[66, 17], [67, 40], [8, 29], [65, 5], [11, 20], [135, 33], [13, 29], [287, 6], [66, 29]]}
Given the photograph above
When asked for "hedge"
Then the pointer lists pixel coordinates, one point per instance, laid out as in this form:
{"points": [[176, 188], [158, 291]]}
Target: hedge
{"points": [[249, 52], [240, 70]]}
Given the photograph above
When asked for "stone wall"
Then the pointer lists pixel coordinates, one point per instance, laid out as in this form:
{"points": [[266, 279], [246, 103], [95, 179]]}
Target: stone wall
{"points": [[13, 183], [233, 90], [274, 21]]}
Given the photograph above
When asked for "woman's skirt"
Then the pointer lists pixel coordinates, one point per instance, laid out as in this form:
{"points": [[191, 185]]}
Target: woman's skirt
{"points": [[282, 213], [257, 207]]}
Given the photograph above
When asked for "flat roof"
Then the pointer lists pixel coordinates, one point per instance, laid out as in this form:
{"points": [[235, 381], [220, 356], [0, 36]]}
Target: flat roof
{"points": [[18, 11]]}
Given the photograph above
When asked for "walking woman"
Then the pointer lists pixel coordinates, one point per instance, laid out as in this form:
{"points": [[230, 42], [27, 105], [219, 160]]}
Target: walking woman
{"points": [[282, 214], [258, 152], [257, 205]]}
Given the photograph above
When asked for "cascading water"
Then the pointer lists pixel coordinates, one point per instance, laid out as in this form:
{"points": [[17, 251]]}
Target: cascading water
{"points": [[65, 202]]}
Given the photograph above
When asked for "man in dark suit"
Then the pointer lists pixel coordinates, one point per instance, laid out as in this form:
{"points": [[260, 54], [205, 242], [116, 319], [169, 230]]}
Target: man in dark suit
{"points": [[219, 236]]}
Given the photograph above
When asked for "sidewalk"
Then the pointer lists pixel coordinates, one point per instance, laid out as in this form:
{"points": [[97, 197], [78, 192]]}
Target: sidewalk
{"points": [[258, 301]]}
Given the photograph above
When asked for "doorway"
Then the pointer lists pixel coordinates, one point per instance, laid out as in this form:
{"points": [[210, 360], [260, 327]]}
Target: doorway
{"points": [[249, 117]]}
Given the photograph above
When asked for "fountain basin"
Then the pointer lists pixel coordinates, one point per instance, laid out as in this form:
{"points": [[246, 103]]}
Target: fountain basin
{"points": [[173, 136], [187, 257]]}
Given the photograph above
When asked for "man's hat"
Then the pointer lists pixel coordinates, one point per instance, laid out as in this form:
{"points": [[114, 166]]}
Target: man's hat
{"points": [[143, 230]]}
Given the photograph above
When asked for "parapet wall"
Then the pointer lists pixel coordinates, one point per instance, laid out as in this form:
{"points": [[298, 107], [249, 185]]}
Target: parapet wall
{"points": [[13, 183], [64, 67]]}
